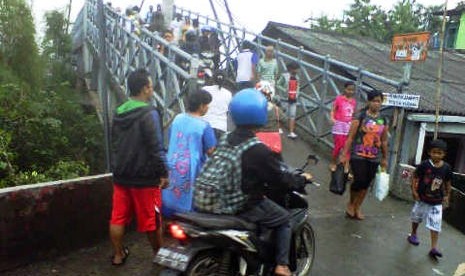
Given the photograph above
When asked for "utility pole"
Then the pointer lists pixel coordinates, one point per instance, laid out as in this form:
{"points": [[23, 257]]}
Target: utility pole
{"points": [[103, 83], [141, 5], [69, 16], [168, 9], [439, 79]]}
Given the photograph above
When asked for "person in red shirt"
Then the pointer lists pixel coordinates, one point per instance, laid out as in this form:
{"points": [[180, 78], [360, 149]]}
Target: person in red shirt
{"points": [[341, 117]]}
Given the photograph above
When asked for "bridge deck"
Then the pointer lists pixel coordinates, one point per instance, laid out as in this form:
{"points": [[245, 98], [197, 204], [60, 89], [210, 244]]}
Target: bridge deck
{"points": [[375, 246]]}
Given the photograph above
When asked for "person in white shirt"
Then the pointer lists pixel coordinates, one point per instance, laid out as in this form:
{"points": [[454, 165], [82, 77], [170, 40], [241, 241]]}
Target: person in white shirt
{"points": [[217, 114], [245, 64]]}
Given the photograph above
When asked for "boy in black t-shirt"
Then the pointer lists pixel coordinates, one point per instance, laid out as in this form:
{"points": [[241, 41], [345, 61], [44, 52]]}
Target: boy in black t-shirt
{"points": [[431, 187]]}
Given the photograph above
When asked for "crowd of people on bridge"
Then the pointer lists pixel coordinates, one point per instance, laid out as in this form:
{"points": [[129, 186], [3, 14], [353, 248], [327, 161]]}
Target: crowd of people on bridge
{"points": [[181, 31], [153, 184]]}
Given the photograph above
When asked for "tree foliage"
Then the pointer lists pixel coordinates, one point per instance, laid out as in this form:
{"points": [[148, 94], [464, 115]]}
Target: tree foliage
{"points": [[365, 19], [323, 23], [368, 20], [18, 49], [45, 132]]}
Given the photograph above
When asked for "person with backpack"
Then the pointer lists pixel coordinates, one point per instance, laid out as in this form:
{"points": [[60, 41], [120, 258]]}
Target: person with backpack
{"points": [[289, 84], [367, 143], [237, 177]]}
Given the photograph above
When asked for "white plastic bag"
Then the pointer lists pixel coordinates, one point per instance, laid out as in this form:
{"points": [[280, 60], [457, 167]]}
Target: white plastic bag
{"points": [[381, 187]]}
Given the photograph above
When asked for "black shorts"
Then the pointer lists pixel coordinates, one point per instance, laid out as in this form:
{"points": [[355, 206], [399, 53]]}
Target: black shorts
{"points": [[364, 172]]}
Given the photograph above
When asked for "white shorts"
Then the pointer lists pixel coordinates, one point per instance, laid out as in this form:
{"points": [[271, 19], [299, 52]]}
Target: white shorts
{"points": [[431, 213]]}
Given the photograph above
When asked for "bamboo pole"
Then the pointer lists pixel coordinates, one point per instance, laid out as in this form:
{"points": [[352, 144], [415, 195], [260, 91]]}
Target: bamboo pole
{"points": [[439, 79]]}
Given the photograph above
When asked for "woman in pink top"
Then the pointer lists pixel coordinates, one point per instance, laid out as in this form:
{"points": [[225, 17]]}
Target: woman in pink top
{"points": [[341, 116]]}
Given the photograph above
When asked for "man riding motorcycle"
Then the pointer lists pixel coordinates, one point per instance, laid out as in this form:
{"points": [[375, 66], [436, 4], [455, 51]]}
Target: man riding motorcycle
{"points": [[262, 173]]}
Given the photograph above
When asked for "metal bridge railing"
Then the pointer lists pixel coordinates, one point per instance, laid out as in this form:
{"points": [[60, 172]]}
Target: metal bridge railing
{"points": [[321, 76], [128, 47]]}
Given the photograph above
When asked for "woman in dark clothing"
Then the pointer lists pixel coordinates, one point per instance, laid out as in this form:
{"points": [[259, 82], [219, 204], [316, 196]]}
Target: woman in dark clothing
{"points": [[368, 145]]}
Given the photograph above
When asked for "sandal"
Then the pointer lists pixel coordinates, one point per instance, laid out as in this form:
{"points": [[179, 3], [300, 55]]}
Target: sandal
{"points": [[435, 254], [413, 239], [123, 260]]}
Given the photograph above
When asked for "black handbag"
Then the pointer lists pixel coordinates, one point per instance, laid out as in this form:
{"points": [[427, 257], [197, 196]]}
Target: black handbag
{"points": [[338, 180]]}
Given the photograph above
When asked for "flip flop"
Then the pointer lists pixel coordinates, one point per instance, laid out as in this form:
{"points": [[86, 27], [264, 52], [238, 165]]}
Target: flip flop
{"points": [[123, 260]]}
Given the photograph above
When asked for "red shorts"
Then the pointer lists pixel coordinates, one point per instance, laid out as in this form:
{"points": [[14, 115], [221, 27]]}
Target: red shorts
{"points": [[339, 142], [144, 202]]}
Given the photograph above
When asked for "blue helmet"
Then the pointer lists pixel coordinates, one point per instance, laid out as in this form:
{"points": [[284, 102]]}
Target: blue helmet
{"points": [[249, 107], [207, 28]]}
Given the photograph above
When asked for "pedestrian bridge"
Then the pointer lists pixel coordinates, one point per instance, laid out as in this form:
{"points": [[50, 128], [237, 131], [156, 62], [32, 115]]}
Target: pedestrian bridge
{"points": [[108, 49], [58, 227]]}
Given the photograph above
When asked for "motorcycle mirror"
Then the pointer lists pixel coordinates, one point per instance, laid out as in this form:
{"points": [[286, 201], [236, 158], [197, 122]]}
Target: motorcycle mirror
{"points": [[314, 158], [310, 157]]}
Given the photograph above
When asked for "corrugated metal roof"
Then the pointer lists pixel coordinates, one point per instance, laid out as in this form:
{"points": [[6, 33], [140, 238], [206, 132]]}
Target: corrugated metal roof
{"points": [[375, 57]]}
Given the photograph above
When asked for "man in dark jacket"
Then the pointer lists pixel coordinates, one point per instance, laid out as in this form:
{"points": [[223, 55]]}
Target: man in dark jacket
{"points": [[139, 166], [261, 167]]}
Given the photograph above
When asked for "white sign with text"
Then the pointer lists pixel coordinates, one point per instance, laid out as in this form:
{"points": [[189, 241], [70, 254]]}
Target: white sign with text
{"points": [[401, 100]]}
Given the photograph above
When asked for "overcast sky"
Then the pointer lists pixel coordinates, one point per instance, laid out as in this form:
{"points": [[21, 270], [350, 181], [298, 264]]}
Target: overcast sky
{"points": [[251, 13]]}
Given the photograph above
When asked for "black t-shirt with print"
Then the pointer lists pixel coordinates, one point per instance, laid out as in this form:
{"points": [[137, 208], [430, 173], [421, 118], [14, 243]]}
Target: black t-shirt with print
{"points": [[431, 181]]}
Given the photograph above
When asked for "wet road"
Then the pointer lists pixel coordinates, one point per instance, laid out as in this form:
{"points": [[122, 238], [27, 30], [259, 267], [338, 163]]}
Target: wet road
{"points": [[375, 246]]}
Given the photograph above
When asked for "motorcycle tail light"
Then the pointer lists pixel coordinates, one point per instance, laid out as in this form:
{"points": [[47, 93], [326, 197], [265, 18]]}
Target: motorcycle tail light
{"points": [[177, 232], [201, 74]]}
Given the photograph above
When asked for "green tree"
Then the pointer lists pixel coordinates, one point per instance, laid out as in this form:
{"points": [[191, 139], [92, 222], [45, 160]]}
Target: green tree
{"points": [[45, 131], [365, 19], [18, 48], [429, 21], [323, 23], [56, 50], [368, 20], [405, 17]]}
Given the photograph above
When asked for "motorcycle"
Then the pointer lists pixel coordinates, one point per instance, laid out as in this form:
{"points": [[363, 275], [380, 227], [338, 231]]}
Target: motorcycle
{"points": [[209, 244]]}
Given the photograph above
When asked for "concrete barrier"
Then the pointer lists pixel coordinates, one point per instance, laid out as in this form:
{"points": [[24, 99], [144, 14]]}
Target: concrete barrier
{"points": [[43, 220], [400, 185], [455, 214]]}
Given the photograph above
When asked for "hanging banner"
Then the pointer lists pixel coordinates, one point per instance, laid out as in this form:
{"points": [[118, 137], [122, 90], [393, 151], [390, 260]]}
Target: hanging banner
{"points": [[410, 47], [401, 100]]}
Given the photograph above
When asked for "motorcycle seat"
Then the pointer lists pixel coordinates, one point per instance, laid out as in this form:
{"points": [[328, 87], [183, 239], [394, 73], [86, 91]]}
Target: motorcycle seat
{"points": [[216, 222]]}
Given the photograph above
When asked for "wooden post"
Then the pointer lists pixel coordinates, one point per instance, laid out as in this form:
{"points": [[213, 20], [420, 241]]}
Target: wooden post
{"points": [[439, 79], [400, 114]]}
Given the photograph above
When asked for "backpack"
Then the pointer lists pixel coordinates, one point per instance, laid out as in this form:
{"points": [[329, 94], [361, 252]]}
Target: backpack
{"points": [[218, 188], [292, 90]]}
